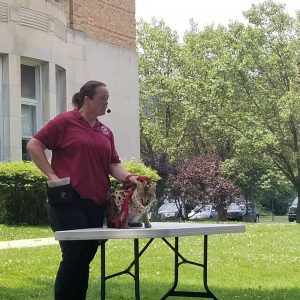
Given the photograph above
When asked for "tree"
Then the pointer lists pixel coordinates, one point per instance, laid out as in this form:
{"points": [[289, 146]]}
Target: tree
{"points": [[160, 103], [260, 183], [201, 182], [264, 70], [254, 79], [175, 93], [166, 170], [234, 91], [203, 83]]}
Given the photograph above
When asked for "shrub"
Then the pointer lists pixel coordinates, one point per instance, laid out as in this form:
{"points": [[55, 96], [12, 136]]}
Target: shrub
{"points": [[135, 168], [22, 194], [201, 182]]}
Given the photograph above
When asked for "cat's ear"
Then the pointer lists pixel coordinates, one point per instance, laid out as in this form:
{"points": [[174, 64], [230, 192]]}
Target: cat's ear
{"points": [[153, 185], [139, 184]]}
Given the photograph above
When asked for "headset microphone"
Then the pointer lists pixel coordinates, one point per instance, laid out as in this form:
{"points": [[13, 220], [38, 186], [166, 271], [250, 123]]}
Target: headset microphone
{"points": [[108, 110]]}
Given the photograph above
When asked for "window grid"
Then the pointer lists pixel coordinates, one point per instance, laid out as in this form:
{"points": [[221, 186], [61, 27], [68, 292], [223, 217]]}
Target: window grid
{"points": [[36, 103]]}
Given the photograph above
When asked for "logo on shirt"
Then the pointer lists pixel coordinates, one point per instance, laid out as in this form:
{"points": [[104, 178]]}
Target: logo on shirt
{"points": [[104, 130]]}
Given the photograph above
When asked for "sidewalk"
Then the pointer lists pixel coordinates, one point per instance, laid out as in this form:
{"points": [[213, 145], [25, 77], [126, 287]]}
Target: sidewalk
{"points": [[27, 243]]}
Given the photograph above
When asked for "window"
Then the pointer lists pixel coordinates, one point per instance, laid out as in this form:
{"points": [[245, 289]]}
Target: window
{"points": [[28, 82], [30, 103], [61, 104], [28, 120]]}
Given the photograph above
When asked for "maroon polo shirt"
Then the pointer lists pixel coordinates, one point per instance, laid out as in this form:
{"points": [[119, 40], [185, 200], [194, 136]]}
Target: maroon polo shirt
{"points": [[81, 152]]}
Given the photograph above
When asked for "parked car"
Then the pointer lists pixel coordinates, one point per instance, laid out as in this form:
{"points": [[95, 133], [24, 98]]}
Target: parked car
{"points": [[206, 212], [234, 212], [248, 212], [292, 212], [242, 212], [169, 210]]}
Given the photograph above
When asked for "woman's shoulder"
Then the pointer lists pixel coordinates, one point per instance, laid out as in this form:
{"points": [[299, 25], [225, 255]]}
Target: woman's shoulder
{"points": [[61, 121], [65, 117]]}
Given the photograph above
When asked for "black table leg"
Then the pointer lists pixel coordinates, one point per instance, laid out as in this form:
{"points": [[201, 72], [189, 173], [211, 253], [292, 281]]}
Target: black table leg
{"points": [[211, 295], [176, 266], [136, 269], [173, 292], [102, 245], [135, 263]]}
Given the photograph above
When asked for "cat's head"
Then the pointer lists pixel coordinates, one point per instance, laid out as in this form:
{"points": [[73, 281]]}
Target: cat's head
{"points": [[146, 192]]}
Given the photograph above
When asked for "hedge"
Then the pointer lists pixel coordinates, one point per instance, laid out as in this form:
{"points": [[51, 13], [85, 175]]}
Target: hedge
{"points": [[23, 193], [135, 168]]}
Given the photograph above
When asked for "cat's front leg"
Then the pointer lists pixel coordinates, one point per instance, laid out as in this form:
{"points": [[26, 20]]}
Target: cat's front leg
{"points": [[146, 221]]}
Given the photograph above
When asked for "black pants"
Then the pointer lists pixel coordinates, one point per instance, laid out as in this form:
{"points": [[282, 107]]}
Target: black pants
{"points": [[73, 274]]}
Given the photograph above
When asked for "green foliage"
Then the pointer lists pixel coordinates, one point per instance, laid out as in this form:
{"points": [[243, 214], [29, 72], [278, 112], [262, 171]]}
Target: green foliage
{"points": [[136, 168], [161, 106], [201, 182], [22, 194], [261, 183]]}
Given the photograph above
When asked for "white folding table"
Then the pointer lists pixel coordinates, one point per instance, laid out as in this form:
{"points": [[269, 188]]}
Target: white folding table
{"points": [[158, 230]]}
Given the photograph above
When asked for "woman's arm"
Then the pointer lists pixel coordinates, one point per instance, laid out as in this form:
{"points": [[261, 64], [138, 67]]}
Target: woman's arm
{"points": [[36, 150], [121, 174]]}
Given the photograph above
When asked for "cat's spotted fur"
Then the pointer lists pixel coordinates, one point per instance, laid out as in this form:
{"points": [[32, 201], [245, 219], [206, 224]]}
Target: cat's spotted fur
{"points": [[140, 203]]}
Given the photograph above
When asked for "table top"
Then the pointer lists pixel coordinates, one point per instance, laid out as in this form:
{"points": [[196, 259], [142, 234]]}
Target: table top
{"points": [[158, 230]]}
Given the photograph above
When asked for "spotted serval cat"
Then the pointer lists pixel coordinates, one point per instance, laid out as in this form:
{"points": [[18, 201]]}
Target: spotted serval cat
{"points": [[140, 201]]}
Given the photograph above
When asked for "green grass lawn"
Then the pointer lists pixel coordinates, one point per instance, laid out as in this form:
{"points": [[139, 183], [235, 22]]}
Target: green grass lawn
{"points": [[262, 263], [268, 218], [8, 233]]}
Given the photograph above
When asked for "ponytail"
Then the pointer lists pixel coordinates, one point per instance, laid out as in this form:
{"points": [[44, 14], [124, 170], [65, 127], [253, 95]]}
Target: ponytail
{"points": [[76, 100]]}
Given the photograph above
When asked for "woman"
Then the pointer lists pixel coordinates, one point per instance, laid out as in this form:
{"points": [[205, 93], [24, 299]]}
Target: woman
{"points": [[84, 154]]}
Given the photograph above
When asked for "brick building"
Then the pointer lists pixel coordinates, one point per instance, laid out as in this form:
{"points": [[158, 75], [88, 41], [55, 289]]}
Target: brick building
{"points": [[48, 49]]}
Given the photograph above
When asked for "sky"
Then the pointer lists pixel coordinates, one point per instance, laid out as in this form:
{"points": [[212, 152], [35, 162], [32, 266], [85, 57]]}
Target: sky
{"points": [[177, 13]]}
